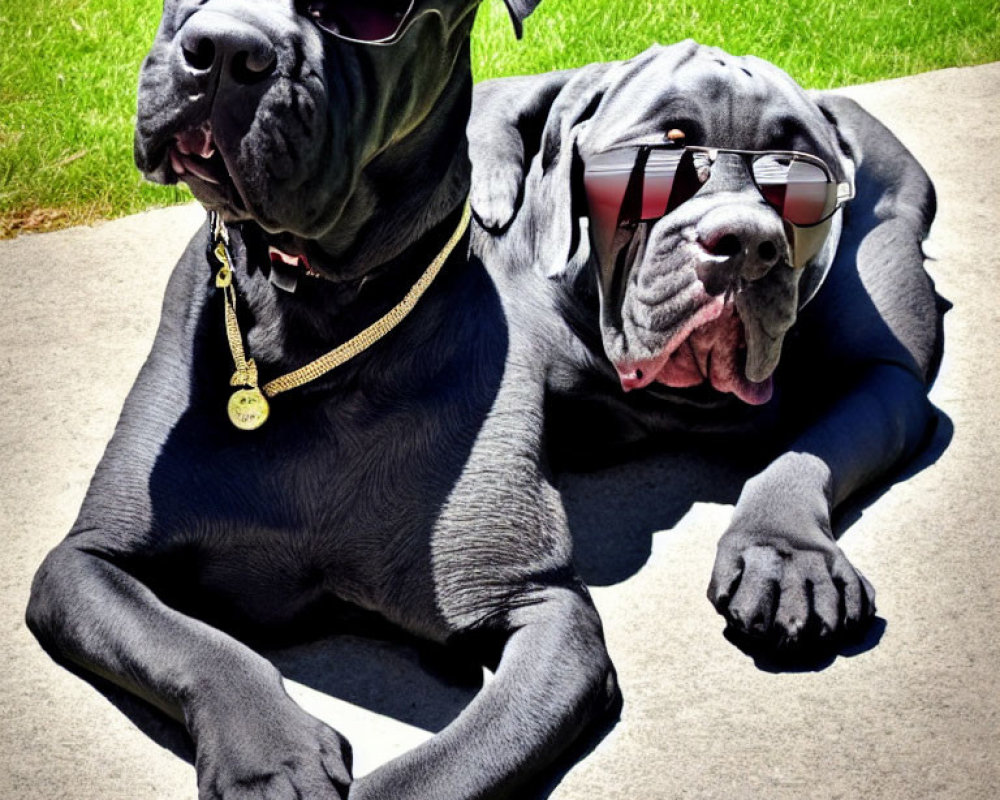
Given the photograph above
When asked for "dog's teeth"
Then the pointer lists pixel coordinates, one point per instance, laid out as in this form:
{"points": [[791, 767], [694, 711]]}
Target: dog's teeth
{"points": [[207, 143], [276, 254], [206, 148]]}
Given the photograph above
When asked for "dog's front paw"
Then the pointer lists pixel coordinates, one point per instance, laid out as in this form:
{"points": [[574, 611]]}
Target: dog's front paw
{"points": [[787, 595], [272, 754]]}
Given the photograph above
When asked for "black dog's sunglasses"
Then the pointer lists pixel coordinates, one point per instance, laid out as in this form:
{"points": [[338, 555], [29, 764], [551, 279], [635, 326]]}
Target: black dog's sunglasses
{"points": [[361, 21], [641, 183]]}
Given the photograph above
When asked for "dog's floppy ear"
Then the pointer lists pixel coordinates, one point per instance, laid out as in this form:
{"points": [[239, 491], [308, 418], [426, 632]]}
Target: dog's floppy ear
{"points": [[555, 182], [519, 11]]}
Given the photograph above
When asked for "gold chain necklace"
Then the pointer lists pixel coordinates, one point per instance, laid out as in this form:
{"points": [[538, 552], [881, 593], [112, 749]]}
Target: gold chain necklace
{"points": [[248, 407]]}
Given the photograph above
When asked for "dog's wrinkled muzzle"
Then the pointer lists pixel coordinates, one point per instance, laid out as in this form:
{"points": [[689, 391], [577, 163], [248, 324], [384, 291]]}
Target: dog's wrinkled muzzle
{"points": [[729, 292]]}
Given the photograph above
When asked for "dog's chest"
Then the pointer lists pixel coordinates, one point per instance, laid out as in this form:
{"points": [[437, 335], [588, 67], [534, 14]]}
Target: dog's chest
{"points": [[324, 502]]}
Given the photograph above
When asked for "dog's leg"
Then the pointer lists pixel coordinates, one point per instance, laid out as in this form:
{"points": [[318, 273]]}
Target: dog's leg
{"points": [[252, 740], [876, 327], [554, 678]]}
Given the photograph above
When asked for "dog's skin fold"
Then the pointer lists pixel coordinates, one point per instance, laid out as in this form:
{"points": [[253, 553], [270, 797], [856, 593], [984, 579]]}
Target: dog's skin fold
{"points": [[408, 482], [823, 370]]}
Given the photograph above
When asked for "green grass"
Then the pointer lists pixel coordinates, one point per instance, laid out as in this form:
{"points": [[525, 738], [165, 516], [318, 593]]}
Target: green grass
{"points": [[821, 44], [67, 104], [68, 72]]}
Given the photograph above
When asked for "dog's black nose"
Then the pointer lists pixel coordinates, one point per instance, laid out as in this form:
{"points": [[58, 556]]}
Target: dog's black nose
{"points": [[212, 42], [742, 243]]}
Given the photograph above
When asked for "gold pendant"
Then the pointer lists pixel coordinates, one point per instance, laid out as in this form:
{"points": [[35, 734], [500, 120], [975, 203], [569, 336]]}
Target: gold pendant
{"points": [[248, 409]]}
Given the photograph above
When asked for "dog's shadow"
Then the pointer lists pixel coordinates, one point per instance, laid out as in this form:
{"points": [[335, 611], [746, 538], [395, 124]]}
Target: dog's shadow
{"points": [[613, 513]]}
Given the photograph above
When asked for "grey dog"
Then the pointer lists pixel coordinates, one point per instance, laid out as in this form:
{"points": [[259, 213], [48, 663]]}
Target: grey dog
{"points": [[814, 344], [407, 481]]}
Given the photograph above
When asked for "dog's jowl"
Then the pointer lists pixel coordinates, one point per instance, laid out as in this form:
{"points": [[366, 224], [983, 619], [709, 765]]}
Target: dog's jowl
{"points": [[341, 409], [732, 257]]}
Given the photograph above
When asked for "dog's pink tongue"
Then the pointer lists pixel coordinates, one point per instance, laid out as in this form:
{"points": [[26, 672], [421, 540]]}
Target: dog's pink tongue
{"points": [[715, 351]]}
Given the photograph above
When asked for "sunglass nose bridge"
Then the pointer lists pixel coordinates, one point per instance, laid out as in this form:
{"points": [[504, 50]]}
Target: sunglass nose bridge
{"points": [[727, 172]]}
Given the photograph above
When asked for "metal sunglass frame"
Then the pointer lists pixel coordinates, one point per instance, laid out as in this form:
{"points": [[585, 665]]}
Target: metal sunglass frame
{"points": [[845, 189]]}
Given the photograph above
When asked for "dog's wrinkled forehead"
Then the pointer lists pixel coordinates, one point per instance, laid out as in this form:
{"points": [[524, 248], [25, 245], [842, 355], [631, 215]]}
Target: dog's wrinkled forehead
{"points": [[714, 98]]}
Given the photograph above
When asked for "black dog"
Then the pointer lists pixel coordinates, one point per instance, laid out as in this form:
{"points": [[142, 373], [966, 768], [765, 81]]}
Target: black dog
{"points": [[330, 140], [679, 298]]}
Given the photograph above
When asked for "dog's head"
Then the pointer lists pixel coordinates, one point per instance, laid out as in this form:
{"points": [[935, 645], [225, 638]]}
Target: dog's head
{"points": [[698, 270], [323, 121]]}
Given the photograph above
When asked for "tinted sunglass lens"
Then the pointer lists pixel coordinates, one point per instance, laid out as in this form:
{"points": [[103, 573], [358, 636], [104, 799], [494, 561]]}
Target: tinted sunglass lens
{"points": [[800, 191], [693, 170], [606, 178], [661, 169], [771, 175], [360, 20], [811, 195]]}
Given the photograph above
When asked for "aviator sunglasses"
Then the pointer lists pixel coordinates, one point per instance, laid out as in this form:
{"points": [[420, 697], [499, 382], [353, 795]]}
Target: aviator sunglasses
{"points": [[361, 21], [642, 183]]}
